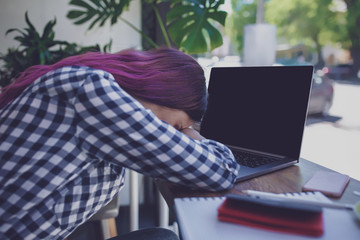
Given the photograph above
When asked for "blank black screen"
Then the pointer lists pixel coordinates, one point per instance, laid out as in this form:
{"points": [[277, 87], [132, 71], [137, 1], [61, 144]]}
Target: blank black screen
{"points": [[259, 108]]}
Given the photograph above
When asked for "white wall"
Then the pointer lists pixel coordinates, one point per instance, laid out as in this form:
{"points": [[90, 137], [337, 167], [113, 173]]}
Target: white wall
{"points": [[12, 15]]}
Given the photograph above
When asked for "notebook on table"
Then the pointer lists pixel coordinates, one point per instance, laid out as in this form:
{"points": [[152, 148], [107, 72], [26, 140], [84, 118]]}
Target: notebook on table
{"points": [[272, 215], [259, 113], [198, 219]]}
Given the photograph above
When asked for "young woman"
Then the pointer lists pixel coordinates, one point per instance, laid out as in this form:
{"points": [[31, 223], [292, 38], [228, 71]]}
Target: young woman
{"points": [[69, 130]]}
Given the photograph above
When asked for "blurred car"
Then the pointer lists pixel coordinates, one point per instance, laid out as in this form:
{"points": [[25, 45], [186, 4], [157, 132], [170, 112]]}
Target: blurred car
{"points": [[340, 71], [322, 94]]}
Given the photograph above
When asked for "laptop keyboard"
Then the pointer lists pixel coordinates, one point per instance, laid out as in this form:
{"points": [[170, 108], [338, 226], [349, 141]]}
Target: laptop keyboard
{"points": [[253, 160]]}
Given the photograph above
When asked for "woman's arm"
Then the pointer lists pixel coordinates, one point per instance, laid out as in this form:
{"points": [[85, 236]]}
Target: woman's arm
{"points": [[114, 127]]}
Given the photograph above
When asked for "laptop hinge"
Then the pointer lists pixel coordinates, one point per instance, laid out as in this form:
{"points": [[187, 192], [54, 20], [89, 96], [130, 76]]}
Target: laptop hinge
{"points": [[254, 151]]}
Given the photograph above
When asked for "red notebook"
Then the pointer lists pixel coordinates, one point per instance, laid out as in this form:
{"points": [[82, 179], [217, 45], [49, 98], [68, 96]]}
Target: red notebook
{"points": [[272, 215]]}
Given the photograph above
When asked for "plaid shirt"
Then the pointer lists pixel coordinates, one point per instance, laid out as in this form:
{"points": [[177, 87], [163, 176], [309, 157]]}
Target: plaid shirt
{"points": [[64, 145]]}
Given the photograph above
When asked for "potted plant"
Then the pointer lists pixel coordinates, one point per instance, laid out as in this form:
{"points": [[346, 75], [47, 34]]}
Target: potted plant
{"points": [[190, 24], [37, 49]]}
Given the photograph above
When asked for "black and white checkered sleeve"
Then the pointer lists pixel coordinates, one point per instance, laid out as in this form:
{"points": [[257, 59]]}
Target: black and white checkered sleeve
{"points": [[113, 126]]}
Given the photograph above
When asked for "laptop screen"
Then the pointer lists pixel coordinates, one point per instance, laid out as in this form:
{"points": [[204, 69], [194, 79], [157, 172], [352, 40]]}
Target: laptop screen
{"points": [[258, 108]]}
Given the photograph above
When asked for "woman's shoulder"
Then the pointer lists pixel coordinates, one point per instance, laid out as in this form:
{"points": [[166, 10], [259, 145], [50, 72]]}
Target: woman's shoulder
{"points": [[77, 72], [73, 77], [67, 81]]}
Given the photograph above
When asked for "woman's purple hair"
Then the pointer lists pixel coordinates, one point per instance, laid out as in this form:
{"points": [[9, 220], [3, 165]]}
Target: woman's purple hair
{"points": [[163, 76]]}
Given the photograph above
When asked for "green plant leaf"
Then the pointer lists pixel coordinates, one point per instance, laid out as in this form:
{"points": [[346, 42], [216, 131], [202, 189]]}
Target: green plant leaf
{"points": [[219, 16], [103, 21], [28, 22], [214, 36], [176, 35], [195, 43], [84, 19], [48, 30], [98, 3], [20, 39], [13, 30], [99, 10], [81, 3], [114, 19], [191, 25], [74, 14], [33, 50], [178, 11], [107, 47], [106, 4], [94, 22]]}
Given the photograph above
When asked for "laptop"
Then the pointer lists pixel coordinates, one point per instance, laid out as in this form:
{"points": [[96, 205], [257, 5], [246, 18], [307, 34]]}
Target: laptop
{"points": [[259, 113]]}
